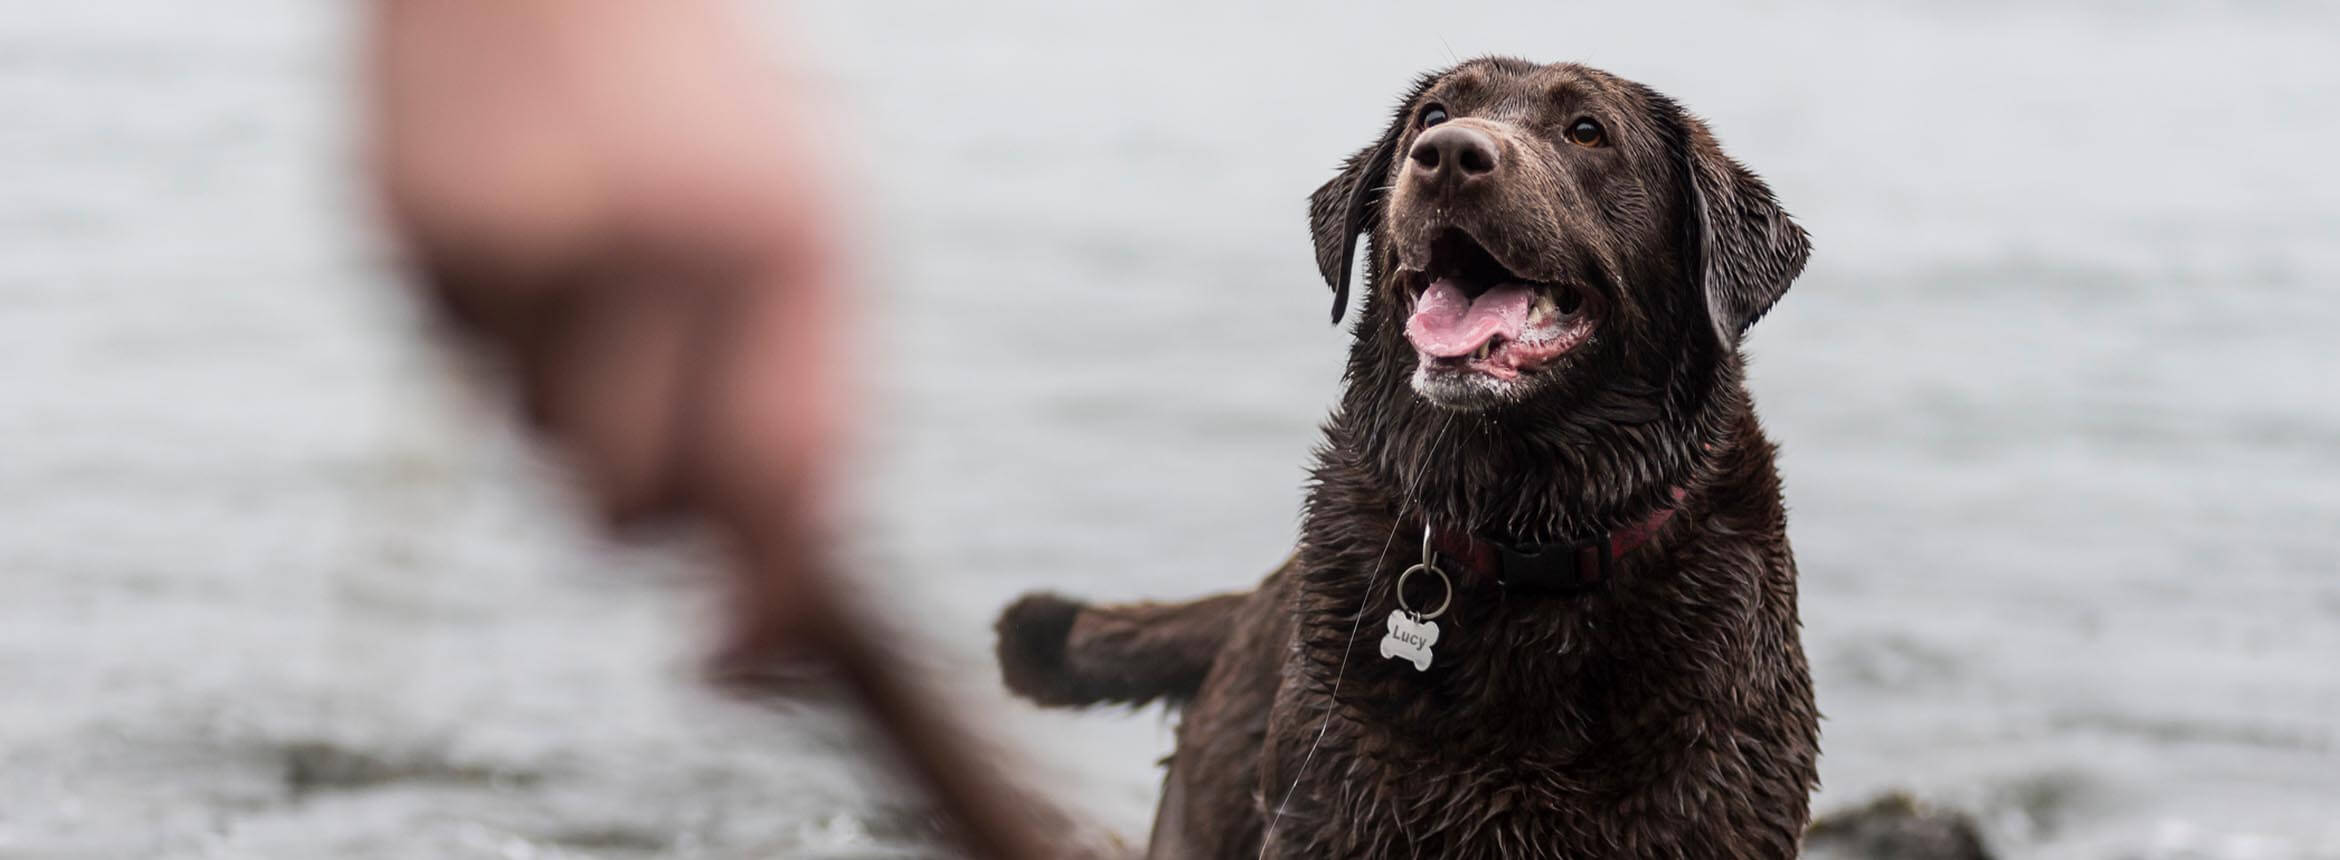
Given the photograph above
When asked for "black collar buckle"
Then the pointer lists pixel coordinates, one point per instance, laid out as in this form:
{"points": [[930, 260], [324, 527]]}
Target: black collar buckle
{"points": [[1562, 568]]}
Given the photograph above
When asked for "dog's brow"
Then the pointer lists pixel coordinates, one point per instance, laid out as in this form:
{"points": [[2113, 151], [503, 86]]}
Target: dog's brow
{"points": [[1566, 95], [1569, 86], [1464, 80]]}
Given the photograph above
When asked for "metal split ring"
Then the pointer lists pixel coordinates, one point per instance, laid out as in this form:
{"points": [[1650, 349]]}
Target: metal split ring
{"points": [[1443, 582]]}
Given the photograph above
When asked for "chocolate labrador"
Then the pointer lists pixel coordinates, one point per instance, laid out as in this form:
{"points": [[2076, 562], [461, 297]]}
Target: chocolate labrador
{"points": [[1543, 603]]}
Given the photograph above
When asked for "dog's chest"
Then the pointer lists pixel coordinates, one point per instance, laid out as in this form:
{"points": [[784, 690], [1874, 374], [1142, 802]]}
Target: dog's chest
{"points": [[1529, 736], [1491, 808]]}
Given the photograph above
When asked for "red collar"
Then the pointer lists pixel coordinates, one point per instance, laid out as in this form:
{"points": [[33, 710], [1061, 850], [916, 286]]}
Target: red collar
{"points": [[1565, 568]]}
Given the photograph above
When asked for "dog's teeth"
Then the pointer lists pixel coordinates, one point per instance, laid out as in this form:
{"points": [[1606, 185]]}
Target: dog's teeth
{"points": [[1545, 308]]}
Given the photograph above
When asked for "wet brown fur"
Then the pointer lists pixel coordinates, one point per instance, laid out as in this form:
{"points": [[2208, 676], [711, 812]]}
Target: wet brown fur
{"points": [[1669, 715]]}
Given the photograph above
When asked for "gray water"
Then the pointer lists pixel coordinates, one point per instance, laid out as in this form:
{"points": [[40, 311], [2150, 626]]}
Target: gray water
{"points": [[2056, 398]]}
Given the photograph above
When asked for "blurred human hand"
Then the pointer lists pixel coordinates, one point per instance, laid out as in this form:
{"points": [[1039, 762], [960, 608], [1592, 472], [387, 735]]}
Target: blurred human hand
{"points": [[617, 196]]}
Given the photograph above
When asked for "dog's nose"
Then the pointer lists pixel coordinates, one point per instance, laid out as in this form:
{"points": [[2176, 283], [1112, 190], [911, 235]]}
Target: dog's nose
{"points": [[1453, 154]]}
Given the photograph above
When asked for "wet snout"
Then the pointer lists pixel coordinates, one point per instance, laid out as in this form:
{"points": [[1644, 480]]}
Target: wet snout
{"points": [[1453, 156]]}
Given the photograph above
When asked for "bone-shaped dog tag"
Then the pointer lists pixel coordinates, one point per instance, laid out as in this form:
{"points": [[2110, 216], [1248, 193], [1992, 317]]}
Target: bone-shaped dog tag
{"points": [[1409, 639]]}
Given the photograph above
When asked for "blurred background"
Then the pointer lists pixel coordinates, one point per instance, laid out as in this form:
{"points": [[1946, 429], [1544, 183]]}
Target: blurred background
{"points": [[2056, 397]]}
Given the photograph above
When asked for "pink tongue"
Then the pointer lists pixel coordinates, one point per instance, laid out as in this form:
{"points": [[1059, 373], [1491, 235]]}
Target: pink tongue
{"points": [[1448, 324]]}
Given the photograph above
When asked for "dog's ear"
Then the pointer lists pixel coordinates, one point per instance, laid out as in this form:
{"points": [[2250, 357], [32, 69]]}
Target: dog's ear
{"points": [[1346, 206], [1747, 249]]}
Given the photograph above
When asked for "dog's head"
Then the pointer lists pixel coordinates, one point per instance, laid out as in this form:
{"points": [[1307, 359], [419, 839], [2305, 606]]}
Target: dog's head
{"points": [[1538, 232]]}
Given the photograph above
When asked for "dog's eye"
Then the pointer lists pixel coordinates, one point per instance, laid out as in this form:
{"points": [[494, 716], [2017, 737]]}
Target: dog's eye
{"points": [[1586, 133], [1433, 115]]}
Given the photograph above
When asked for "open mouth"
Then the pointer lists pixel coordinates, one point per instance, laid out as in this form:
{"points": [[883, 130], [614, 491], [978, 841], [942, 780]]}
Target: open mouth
{"points": [[1473, 315]]}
